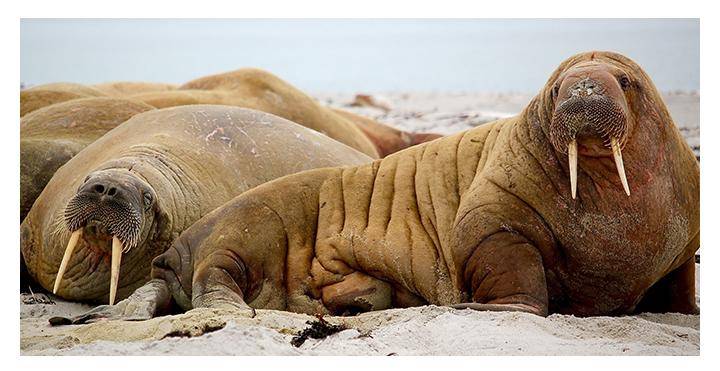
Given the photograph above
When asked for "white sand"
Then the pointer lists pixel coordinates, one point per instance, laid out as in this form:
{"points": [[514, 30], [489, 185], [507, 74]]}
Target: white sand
{"points": [[426, 330]]}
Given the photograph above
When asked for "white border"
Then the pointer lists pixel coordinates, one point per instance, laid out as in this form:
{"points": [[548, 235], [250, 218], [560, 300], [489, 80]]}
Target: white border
{"points": [[358, 8]]}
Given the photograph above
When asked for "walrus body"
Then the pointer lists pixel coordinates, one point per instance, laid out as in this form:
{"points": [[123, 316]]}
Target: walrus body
{"points": [[488, 219], [150, 178], [50, 136]]}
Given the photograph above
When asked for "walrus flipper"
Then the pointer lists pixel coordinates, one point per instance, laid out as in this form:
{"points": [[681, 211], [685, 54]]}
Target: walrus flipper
{"points": [[217, 283], [507, 278], [498, 307], [148, 301], [505, 273]]}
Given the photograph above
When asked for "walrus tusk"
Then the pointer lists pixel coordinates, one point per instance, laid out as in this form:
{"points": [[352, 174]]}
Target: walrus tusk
{"points": [[619, 163], [117, 249], [572, 160], [74, 237]]}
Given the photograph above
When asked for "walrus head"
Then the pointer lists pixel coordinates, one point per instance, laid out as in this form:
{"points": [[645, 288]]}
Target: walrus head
{"points": [[591, 112], [112, 207]]}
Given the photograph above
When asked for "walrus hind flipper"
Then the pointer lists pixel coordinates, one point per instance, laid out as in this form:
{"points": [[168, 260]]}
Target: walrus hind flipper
{"points": [[148, 301]]}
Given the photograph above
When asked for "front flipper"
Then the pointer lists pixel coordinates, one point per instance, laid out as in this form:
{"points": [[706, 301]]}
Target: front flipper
{"points": [[506, 273], [148, 301], [219, 282]]}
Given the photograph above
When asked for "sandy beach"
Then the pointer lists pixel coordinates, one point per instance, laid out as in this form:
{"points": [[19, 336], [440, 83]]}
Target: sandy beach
{"points": [[428, 330]]}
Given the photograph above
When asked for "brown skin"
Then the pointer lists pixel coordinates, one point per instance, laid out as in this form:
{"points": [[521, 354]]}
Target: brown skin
{"points": [[160, 171], [127, 88], [387, 139], [263, 91], [41, 96], [482, 219], [52, 135]]}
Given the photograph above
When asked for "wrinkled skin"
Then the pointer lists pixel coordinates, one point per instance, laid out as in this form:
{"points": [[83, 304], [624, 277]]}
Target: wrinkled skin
{"points": [[149, 179], [483, 219], [260, 90], [52, 135]]}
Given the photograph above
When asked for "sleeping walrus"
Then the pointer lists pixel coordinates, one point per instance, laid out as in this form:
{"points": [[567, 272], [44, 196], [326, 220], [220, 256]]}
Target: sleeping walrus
{"points": [[50, 136], [586, 203], [130, 193]]}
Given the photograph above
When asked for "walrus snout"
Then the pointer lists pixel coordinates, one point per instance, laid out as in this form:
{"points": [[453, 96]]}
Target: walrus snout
{"points": [[109, 205], [591, 116]]}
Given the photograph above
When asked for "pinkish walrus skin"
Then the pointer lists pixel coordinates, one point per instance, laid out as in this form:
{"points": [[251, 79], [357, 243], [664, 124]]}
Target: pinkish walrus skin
{"points": [[485, 219]]}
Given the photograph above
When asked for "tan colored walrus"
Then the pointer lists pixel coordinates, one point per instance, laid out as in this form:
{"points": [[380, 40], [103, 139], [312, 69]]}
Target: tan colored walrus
{"points": [[586, 203], [261, 90], [45, 95], [130, 193], [50, 136]]}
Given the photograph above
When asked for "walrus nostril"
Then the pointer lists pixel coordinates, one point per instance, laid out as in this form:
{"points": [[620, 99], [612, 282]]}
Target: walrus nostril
{"points": [[99, 188], [111, 191]]}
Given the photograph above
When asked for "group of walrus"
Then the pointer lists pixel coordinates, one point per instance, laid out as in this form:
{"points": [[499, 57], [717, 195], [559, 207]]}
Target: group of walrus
{"points": [[238, 191]]}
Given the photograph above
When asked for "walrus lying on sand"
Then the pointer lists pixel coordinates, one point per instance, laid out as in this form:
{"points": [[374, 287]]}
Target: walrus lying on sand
{"points": [[586, 203], [263, 91], [130, 193], [52, 135]]}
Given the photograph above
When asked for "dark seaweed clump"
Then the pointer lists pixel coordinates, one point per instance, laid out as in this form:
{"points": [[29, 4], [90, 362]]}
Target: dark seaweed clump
{"points": [[319, 329]]}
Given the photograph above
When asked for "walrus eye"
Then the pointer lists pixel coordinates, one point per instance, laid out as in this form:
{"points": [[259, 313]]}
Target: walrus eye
{"points": [[555, 91], [147, 200], [624, 82]]}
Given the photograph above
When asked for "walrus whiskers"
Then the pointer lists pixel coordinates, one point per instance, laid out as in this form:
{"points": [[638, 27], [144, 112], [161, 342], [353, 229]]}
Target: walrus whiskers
{"points": [[619, 163], [117, 250], [572, 160], [74, 237]]}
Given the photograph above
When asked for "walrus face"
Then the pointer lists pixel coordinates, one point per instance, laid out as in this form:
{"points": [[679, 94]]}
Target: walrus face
{"points": [[591, 115], [111, 205]]}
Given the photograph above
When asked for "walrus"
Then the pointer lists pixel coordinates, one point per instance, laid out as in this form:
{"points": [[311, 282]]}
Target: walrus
{"points": [[126, 88], [264, 91], [387, 139], [50, 136], [586, 203], [45, 95], [130, 193]]}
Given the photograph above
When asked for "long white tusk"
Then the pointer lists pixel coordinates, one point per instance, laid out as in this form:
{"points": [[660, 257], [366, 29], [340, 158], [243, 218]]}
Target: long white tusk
{"points": [[572, 160], [619, 164], [117, 249], [74, 237]]}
